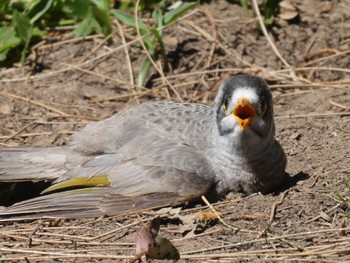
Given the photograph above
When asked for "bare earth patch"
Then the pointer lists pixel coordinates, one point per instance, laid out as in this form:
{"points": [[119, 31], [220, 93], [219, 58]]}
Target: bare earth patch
{"points": [[69, 83]]}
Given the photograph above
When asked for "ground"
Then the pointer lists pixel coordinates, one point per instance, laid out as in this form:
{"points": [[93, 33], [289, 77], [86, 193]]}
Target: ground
{"points": [[68, 82]]}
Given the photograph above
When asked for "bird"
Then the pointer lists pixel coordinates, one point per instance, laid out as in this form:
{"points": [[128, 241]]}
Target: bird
{"points": [[155, 154]]}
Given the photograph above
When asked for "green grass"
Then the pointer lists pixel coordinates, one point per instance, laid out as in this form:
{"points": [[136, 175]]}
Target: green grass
{"points": [[153, 35], [25, 22], [344, 199]]}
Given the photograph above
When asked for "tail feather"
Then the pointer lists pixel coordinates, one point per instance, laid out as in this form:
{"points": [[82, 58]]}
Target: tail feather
{"points": [[19, 164], [68, 204], [85, 202]]}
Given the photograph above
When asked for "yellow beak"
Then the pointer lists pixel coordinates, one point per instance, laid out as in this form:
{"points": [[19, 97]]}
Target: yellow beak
{"points": [[243, 112]]}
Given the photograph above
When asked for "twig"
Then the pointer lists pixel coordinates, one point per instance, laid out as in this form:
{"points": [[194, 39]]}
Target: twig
{"points": [[320, 51], [139, 94], [149, 56], [128, 60], [339, 105], [319, 216], [13, 96], [345, 70], [321, 115], [62, 113], [68, 41], [250, 231], [213, 40], [272, 214], [29, 241], [263, 28], [236, 229], [95, 48], [62, 254], [101, 76], [18, 132], [325, 58], [35, 134], [300, 235]]}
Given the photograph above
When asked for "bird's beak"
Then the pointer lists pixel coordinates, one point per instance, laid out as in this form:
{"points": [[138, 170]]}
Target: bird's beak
{"points": [[243, 112]]}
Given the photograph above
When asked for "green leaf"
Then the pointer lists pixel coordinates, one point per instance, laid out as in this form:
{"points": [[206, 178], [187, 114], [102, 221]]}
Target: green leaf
{"points": [[38, 32], [65, 22], [157, 34], [24, 30], [130, 21], [3, 55], [174, 14], [103, 19], [22, 25], [270, 8], [88, 25], [158, 16], [80, 9], [166, 249], [347, 183], [245, 5], [145, 66], [42, 12], [8, 39], [29, 5], [103, 5]]}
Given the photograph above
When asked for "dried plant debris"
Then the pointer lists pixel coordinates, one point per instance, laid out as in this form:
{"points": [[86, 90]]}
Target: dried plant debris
{"points": [[153, 246]]}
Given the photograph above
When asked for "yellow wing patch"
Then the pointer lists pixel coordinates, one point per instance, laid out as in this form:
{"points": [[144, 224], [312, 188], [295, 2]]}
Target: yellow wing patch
{"points": [[97, 180]]}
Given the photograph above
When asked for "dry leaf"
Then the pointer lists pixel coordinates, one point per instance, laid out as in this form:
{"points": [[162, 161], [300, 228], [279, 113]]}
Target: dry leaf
{"points": [[5, 109], [208, 215], [287, 10], [153, 246], [146, 239]]}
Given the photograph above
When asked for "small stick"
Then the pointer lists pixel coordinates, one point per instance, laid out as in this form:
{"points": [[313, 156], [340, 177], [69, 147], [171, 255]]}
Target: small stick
{"points": [[18, 132], [13, 96], [96, 48], [272, 214], [99, 75], [236, 229], [37, 103], [30, 237], [339, 105], [263, 28], [325, 115], [325, 58], [128, 60], [149, 56]]}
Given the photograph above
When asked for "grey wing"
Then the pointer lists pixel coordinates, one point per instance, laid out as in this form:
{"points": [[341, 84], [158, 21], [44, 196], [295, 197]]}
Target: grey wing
{"points": [[152, 172], [20, 164]]}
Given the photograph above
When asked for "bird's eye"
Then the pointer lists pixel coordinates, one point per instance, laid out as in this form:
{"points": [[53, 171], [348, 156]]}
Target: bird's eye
{"points": [[263, 107], [224, 105]]}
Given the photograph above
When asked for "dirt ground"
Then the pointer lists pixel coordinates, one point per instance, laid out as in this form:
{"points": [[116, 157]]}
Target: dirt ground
{"points": [[69, 82]]}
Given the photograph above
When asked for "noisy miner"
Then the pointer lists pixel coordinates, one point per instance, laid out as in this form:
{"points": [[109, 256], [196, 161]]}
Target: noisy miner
{"points": [[155, 154]]}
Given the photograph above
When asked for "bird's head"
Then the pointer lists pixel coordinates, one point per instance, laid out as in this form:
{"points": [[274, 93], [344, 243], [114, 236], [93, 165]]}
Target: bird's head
{"points": [[244, 107]]}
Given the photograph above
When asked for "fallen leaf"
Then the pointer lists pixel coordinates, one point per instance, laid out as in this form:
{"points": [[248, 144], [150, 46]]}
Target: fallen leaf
{"points": [[166, 249], [146, 238], [5, 109], [287, 10], [208, 215], [154, 246]]}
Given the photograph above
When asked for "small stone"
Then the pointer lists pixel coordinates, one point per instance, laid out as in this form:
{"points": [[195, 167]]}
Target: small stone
{"points": [[5, 109], [295, 136]]}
